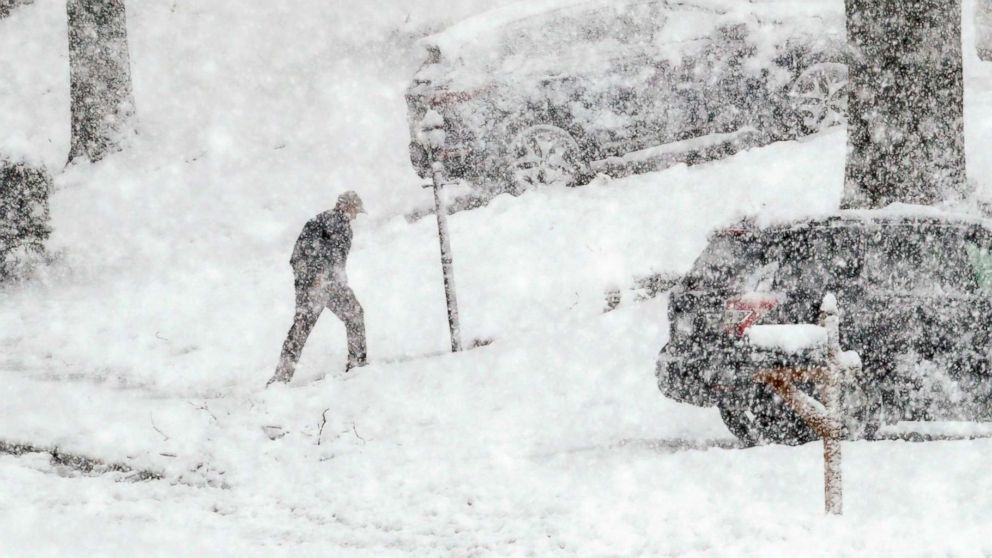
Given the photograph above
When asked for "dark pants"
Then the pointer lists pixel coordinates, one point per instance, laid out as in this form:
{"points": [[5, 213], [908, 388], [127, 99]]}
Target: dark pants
{"points": [[311, 299]]}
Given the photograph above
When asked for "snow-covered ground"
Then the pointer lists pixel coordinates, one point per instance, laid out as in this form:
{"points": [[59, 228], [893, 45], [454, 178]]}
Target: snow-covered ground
{"points": [[151, 341]]}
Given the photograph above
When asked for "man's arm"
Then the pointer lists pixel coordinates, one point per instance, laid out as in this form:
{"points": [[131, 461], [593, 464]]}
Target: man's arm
{"points": [[338, 245], [309, 254]]}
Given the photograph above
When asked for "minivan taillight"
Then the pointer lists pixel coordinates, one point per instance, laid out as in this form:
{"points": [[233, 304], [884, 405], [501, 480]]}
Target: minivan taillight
{"points": [[744, 311]]}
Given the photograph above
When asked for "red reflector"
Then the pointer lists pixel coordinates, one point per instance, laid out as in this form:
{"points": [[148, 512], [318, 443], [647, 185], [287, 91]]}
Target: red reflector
{"points": [[744, 311], [453, 97]]}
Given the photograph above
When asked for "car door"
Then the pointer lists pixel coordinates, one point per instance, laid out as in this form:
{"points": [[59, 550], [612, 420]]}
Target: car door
{"points": [[618, 83], [955, 315], [587, 66], [889, 325], [729, 95], [926, 310], [975, 370], [675, 101]]}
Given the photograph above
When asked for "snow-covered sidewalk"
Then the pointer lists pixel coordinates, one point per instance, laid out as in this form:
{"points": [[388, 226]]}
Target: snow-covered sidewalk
{"points": [[558, 445]]}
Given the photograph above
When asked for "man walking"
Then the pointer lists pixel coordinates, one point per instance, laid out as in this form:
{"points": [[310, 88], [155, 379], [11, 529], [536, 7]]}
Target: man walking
{"points": [[318, 261]]}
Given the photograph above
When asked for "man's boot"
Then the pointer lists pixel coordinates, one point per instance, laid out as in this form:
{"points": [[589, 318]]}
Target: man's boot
{"points": [[282, 374], [355, 362]]}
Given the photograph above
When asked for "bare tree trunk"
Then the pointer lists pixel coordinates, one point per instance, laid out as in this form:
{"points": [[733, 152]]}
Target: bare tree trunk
{"points": [[24, 218], [100, 77], [906, 125]]}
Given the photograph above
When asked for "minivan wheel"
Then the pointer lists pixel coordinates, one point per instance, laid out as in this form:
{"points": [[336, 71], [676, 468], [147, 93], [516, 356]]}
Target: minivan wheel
{"points": [[541, 156], [767, 420], [777, 423]]}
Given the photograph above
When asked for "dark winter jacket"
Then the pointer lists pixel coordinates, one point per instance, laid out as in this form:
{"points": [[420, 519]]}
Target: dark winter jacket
{"points": [[322, 248]]}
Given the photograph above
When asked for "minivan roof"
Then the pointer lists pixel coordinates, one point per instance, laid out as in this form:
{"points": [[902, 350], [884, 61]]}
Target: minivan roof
{"points": [[898, 214], [476, 29]]}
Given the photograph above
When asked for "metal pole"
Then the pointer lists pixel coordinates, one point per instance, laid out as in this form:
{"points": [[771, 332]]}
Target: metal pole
{"points": [[447, 264], [432, 138]]}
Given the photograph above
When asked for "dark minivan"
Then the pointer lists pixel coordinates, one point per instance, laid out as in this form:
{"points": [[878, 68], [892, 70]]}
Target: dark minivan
{"points": [[915, 296]]}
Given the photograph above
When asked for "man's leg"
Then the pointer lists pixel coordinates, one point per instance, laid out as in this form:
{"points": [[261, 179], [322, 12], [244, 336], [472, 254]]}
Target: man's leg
{"points": [[347, 308], [309, 305]]}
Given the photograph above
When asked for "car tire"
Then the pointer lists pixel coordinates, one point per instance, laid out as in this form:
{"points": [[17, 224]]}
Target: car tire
{"points": [[542, 156], [767, 420], [779, 424], [818, 97]]}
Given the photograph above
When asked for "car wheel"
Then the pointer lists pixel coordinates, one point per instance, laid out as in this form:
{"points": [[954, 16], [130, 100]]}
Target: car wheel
{"points": [[819, 97], [777, 423], [542, 156], [767, 419], [741, 424]]}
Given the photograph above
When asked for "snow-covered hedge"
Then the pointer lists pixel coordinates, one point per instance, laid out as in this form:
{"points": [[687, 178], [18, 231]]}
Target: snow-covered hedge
{"points": [[6, 6]]}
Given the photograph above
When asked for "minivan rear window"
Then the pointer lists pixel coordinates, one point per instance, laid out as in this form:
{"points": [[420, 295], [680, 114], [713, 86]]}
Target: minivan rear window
{"points": [[727, 261], [781, 260]]}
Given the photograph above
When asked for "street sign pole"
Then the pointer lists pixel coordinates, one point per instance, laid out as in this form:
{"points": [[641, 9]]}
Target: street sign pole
{"points": [[432, 138], [447, 262]]}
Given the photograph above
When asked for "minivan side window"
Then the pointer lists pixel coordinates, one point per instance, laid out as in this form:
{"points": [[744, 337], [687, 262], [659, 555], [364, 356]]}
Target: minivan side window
{"points": [[921, 259], [727, 262]]}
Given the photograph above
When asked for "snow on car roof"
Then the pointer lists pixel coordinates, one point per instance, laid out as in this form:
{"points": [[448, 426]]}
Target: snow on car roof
{"points": [[896, 212], [479, 25], [475, 28], [479, 30]]}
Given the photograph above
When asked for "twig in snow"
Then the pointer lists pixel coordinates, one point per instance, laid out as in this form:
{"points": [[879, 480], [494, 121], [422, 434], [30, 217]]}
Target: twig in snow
{"points": [[81, 463], [203, 408], [355, 430], [151, 418], [323, 421]]}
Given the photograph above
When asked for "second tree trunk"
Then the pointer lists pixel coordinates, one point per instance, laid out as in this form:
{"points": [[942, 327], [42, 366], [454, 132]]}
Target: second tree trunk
{"points": [[100, 77]]}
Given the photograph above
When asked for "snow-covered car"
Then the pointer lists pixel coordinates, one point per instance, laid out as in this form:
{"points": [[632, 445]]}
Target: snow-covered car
{"points": [[553, 91], [915, 296]]}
